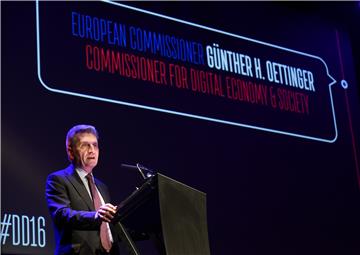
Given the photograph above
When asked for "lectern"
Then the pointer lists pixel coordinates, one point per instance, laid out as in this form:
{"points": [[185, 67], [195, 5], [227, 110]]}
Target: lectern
{"points": [[169, 213]]}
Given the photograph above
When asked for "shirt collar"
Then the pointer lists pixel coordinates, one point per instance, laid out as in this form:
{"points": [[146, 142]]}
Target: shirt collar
{"points": [[82, 173]]}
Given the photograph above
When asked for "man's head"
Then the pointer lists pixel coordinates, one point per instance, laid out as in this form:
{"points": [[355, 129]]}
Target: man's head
{"points": [[82, 146]]}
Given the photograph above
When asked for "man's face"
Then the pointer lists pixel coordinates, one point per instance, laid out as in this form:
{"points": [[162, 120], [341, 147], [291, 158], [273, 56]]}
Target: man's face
{"points": [[86, 151]]}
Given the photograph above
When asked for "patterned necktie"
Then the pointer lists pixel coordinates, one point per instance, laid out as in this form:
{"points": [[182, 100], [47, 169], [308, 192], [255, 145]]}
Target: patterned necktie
{"points": [[104, 235]]}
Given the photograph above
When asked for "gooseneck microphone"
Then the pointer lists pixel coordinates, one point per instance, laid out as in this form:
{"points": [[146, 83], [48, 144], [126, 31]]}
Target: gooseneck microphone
{"points": [[144, 171]]}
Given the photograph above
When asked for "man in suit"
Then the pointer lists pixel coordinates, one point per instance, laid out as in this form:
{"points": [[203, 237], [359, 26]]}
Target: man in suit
{"points": [[80, 210]]}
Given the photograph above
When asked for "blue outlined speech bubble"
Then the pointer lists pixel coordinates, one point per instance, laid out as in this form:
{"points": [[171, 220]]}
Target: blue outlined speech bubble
{"points": [[119, 54]]}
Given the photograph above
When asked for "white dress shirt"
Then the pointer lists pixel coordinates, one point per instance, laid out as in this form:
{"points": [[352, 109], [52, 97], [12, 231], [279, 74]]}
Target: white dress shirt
{"points": [[82, 173]]}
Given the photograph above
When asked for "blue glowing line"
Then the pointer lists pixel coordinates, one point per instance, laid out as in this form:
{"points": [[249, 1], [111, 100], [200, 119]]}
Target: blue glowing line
{"points": [[182, 113]]}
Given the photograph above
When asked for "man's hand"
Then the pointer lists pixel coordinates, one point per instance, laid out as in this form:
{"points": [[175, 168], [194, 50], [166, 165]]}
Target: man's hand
{"points": [[106, 212]]}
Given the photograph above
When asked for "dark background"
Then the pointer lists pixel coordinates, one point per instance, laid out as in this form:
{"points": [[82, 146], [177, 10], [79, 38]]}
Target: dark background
{"points": [[266, 193]]}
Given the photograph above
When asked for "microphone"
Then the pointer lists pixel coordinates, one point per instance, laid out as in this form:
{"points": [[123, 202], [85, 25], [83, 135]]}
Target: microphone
{"points": [[148, 172]]}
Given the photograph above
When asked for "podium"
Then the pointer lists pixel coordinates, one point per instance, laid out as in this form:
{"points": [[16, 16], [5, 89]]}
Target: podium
{"points": [[169, 213]]}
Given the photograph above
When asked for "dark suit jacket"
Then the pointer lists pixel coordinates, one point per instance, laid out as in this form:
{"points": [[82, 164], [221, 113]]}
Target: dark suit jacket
{"points": [[73, 214]]}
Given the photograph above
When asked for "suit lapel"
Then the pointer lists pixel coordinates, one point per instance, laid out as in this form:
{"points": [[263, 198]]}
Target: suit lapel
{"points": [[75, 180]]}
